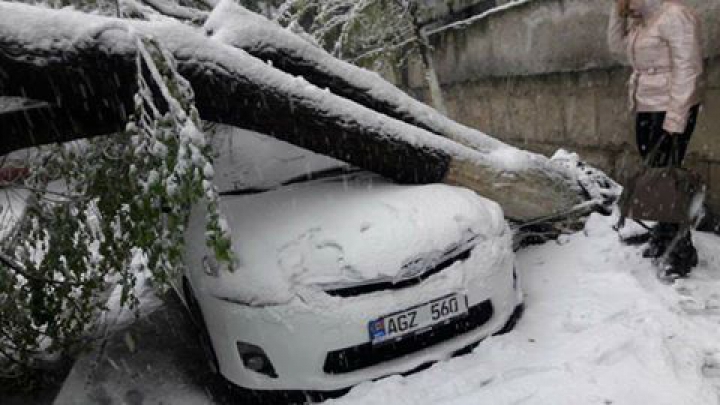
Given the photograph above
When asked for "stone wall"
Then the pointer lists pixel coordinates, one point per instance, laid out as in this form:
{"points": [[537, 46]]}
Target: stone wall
{"points": [[540, 76], [436, 13]]}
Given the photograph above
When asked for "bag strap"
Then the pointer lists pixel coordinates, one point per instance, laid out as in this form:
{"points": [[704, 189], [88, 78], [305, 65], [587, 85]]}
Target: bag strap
{"points": [[675, 152], [655, 151], [674, 158]]}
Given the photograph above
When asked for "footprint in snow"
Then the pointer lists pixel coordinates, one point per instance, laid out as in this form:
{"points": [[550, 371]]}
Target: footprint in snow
{"points": [[711, 367]]}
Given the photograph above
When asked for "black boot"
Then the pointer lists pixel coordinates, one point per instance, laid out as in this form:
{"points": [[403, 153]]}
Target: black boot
{"points": [[660, 237], [655, 249], [682, 259]]}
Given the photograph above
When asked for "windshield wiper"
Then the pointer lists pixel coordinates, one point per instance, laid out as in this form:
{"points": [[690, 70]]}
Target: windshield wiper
{"points": [[320, 174]]}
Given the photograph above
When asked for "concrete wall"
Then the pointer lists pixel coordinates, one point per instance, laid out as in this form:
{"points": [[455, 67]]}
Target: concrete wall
{"points": [[435, 13], [540, 76]]}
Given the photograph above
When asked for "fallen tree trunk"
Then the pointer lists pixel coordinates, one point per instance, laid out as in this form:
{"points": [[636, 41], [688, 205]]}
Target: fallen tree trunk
{"points": [[84, 66], [237, 26]]}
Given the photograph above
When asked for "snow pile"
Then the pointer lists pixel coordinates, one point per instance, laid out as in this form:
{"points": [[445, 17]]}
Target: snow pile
{"points": [[599, 329], [595, 183], [117, 316]]}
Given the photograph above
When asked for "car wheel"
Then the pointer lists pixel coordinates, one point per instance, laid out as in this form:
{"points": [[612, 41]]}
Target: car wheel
{"points": [[203, 334], [512, 321]]}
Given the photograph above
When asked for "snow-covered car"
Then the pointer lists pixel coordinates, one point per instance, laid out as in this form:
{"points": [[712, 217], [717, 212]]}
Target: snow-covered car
{"points": [[342, 276]]}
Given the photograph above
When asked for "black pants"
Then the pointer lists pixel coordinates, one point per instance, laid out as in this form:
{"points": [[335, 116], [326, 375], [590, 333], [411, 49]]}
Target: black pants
{"points": [[649, 131]]}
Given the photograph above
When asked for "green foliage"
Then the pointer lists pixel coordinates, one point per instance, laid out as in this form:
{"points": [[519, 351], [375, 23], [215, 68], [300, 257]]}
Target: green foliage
{"points": [[361, 31], [120, 217], [380, 35]]}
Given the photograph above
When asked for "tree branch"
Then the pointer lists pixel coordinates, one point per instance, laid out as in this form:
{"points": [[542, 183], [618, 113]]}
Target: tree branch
{"points": [[17, 268]]}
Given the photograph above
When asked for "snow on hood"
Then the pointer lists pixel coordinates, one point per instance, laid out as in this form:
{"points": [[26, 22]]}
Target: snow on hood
{"points": [[347, 230], [335, 231], [597, 184]]}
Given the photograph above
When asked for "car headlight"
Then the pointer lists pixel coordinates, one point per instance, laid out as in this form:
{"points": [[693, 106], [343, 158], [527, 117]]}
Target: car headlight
{"points": [[255, 359]]}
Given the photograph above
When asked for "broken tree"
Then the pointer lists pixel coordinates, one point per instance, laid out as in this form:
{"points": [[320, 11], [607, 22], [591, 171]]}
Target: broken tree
{"points": [[83, 67], [266, 40]]}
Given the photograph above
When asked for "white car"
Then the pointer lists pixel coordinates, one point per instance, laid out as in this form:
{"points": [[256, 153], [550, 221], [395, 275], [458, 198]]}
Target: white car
{"points": [[343, 276]]}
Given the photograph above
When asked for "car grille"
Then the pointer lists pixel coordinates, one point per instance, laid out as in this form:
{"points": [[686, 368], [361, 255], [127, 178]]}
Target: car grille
{"points": [[383, 286], [366, 355]]}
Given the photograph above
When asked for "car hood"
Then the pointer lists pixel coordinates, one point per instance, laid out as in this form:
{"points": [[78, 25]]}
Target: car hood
{"points": [[346, 231]]}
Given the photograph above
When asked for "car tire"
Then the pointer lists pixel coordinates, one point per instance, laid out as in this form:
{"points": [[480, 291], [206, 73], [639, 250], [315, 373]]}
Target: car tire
{"points": [[512, 320], [203, 334]]}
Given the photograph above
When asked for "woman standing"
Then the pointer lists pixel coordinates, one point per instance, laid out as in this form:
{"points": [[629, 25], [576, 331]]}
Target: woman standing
{"points": [[662, 42]]}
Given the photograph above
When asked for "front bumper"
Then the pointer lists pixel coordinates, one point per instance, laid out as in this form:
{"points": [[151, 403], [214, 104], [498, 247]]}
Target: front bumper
{"points": [[301, 337]]}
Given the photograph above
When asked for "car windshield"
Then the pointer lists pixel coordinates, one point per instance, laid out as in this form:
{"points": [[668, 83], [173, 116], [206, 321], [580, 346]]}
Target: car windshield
{"points": [[339, 171], [248, 163]]}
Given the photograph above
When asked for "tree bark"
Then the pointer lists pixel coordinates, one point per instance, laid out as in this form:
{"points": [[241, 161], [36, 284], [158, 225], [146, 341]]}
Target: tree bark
{"points": [[90, 84]]}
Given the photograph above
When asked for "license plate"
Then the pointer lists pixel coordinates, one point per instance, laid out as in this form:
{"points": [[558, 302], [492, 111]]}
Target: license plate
{"points": [[393, 326]]}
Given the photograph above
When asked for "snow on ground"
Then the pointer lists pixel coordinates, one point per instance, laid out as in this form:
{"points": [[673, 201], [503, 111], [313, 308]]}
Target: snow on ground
{"points": [[599, 329]]}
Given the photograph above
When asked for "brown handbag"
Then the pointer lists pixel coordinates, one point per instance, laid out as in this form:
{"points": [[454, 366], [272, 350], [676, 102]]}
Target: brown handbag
{"points": [[669, 194]]}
